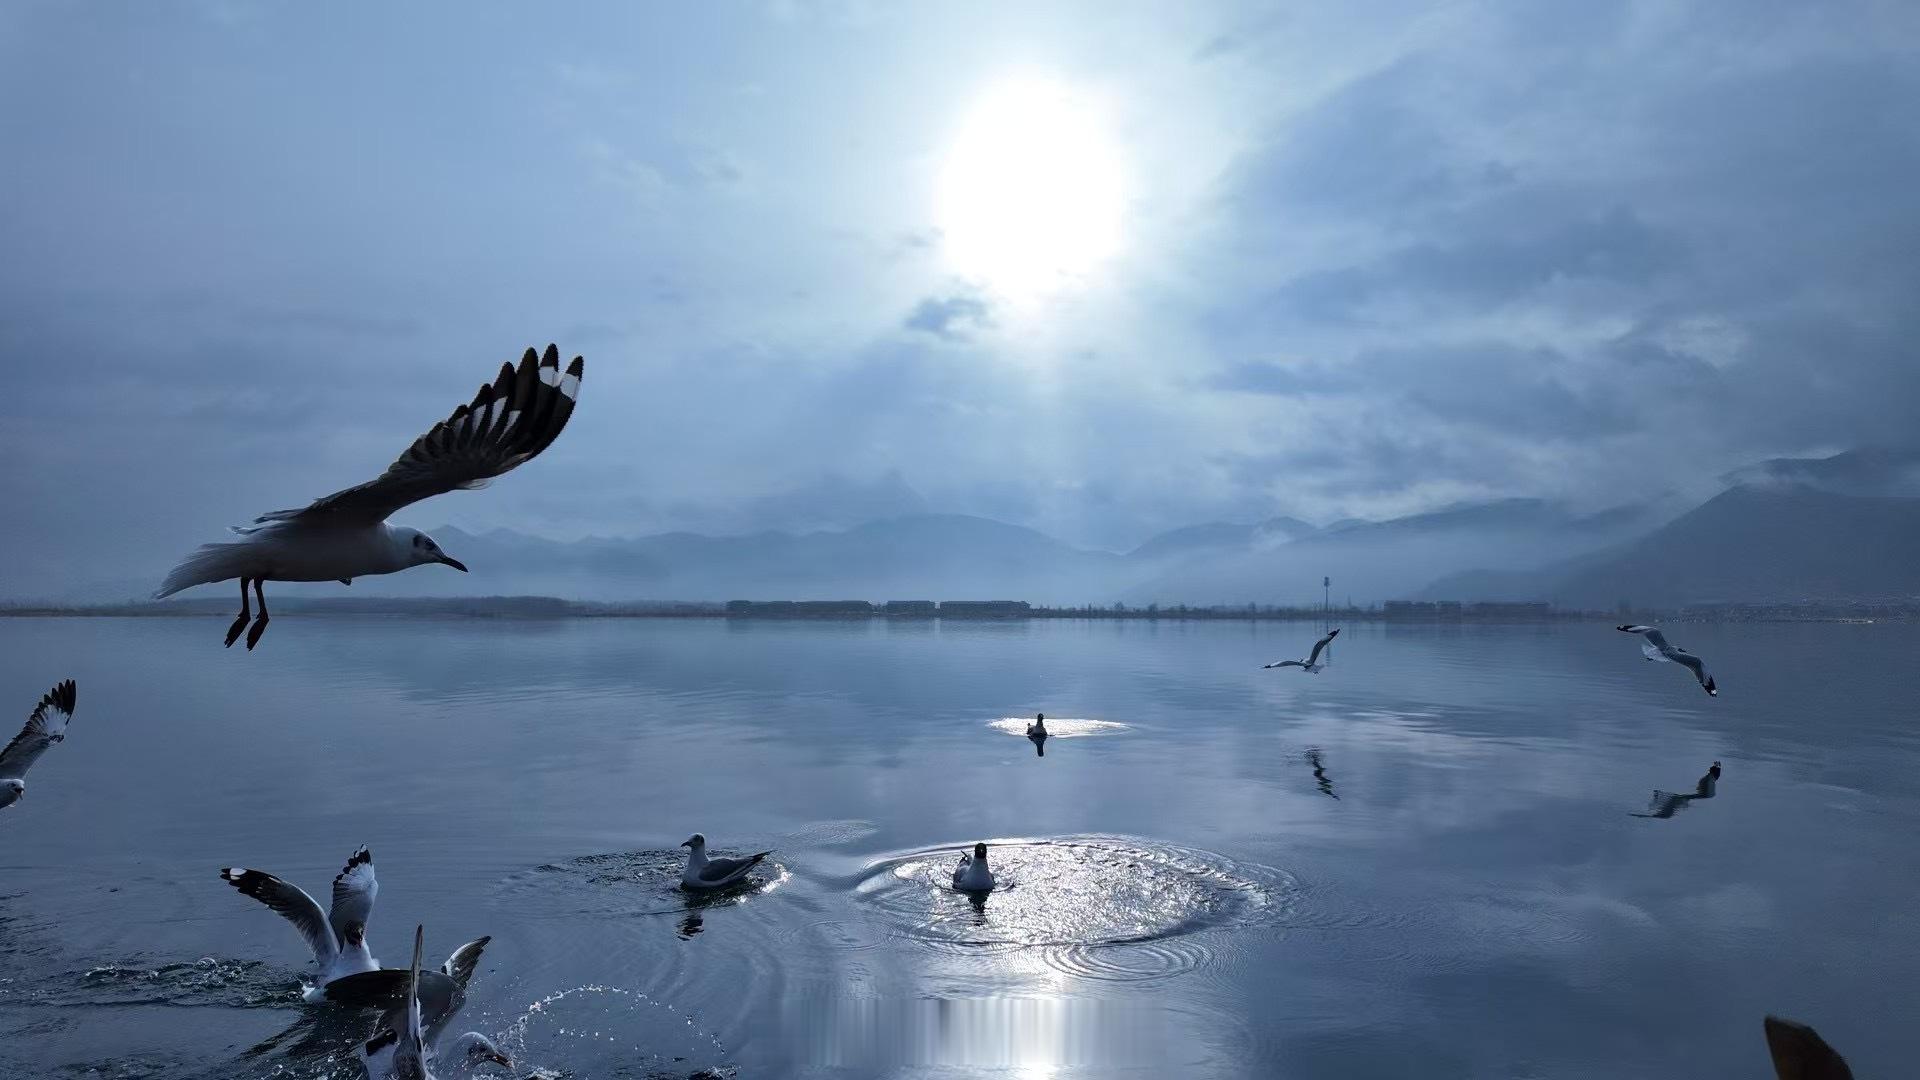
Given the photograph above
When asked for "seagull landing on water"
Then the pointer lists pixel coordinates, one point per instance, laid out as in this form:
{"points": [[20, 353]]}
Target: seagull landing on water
{"points": [[345, 535], [703, 873], [973, 875], [418, 1009], [338, 938], [45, 726], [1656, 647], [1312, 662]]}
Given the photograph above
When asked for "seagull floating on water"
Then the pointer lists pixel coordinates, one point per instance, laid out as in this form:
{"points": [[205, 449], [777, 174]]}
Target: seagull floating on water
{"points": [[705, 873], [338, 938], [1656, 647], [1312, 662], [45, 726], [973, 875], [345, 535], [1037, 729], [405, 1048]]}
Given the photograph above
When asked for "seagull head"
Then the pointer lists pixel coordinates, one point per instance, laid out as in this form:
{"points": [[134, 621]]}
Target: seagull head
{"points": [[697, 842], [18, 787], [421, 550], [355, 934], [476, 1050], [979, 853]]}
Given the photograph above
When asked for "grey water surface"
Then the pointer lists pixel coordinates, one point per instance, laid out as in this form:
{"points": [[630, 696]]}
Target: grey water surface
{"points": [[1421, 862]]}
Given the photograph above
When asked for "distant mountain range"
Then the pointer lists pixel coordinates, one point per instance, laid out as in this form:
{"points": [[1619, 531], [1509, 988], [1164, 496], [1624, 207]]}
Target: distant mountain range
{"points": [[1842, 527], [1773, 543]]}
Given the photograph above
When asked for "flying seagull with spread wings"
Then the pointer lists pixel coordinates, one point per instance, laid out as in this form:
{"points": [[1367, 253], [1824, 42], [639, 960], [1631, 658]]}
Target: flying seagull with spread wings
{"points": [[1312, 662], [345, 535], [1656, 647], [47, 725]]}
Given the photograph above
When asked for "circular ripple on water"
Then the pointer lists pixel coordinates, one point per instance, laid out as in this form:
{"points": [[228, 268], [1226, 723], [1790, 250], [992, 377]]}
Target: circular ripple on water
{"points": [[1100, 907], [622, 884]]}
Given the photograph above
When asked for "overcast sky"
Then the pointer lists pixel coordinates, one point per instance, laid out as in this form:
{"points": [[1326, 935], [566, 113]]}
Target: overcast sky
{"points": [[1099, 269]]}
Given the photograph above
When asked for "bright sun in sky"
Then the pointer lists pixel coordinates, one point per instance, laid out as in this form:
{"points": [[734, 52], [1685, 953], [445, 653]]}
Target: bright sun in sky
{"points": [[1031, 196]]}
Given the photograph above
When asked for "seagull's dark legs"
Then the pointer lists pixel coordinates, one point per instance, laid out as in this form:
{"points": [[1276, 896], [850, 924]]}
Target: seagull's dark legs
{"points": [[246, 613], [260, 626]]}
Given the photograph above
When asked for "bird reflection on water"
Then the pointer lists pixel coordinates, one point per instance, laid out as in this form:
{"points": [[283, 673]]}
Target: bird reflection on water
{"points": [[1320, 773], [1666, 803]]}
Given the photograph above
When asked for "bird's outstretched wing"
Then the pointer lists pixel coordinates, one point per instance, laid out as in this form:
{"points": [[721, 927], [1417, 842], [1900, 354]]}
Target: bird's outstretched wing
{"points": [[1288, 663], [459, 967], [410, 1054], [291, 903], [45, 726], [354, 890], [509, 422], [1314, 656], [1652, 635]]}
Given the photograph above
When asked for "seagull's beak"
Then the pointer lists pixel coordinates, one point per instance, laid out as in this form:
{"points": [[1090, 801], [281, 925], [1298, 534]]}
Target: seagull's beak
{"points": [[455, 563], [501, 1060]]}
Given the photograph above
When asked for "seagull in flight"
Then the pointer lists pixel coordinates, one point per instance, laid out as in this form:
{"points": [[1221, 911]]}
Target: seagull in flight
{"points": [[1656, 647], [703, 874], [345, 535], [47, 725], [1312, 662], [338, 938]]}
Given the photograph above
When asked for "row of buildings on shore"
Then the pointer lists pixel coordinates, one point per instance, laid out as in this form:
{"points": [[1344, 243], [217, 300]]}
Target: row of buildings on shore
{"points": [[892, 609]]}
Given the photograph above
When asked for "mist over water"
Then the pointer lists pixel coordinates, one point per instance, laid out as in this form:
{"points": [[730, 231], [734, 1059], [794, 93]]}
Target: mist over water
{"points": [[1476, 899]]}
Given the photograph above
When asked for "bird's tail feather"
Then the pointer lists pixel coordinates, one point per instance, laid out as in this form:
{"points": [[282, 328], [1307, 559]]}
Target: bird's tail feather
{"points": [[208, 563]]}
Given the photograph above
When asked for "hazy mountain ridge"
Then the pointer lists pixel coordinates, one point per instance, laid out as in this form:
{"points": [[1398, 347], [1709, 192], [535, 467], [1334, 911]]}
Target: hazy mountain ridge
{"points": [[1772, 540], [1776, 543]]}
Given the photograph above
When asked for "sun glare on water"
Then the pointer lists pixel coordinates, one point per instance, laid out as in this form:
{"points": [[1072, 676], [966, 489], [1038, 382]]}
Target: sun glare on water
{"points": [[1031, 196]]}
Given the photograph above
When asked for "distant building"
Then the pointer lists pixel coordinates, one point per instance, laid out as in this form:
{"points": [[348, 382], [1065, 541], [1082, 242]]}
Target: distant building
{"points": [[834, 609], [1410, 609], [985, 609], [912, 609], [1510, 610]]}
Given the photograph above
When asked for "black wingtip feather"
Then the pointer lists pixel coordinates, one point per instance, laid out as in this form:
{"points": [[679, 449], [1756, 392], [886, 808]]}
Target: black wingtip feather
{"points": [[249, 882], [62, 697], [361, 856]]}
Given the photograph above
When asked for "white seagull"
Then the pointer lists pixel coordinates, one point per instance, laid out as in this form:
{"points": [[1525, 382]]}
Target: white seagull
{"points": [[46, 726], [704, 873], [410, 1031], [1312, 662], [345, 535], [972, 875], [338, 938], [1656, 647]]}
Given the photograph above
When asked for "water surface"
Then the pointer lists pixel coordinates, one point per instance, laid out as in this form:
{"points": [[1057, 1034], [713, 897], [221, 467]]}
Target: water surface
{"points": [[1423, 861]]}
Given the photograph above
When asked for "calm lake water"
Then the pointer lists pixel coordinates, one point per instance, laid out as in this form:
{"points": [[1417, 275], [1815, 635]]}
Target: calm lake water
{"points": [[1460, 890]]}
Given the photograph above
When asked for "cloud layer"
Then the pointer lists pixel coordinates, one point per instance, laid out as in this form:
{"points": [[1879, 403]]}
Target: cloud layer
{"points": [[1379, 260]]}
